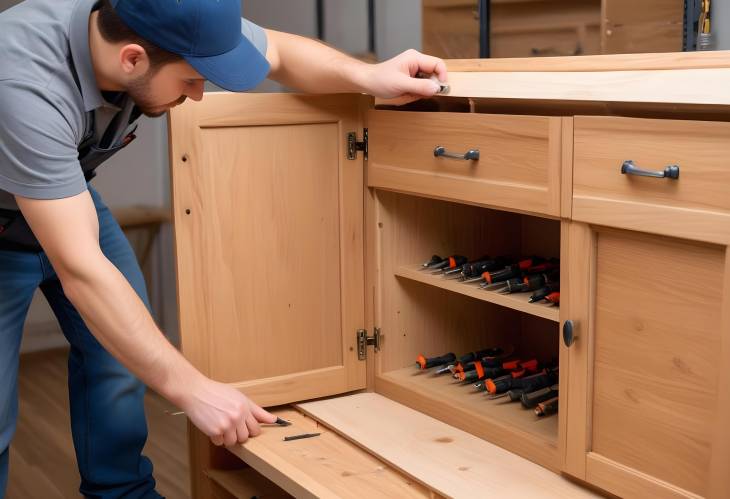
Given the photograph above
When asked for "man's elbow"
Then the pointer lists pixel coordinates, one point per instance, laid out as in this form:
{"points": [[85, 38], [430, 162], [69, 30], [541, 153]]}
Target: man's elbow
{"points": [[78, 271]]}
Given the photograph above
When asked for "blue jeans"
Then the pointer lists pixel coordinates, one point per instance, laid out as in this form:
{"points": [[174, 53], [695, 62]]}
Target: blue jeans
{"points": [[108, 422]]}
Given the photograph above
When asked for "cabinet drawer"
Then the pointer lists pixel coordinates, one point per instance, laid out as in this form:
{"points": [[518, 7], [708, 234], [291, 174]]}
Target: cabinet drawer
{"points": [[695, 205], [518, 166]]}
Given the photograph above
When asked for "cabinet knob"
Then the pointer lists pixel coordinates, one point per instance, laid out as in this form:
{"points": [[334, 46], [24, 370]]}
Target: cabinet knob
{"points": [[629, 168], [470, 155], [569, 335]]}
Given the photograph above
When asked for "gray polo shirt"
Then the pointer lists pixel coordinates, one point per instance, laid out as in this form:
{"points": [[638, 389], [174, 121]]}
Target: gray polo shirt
{"points": [[49, 100]]}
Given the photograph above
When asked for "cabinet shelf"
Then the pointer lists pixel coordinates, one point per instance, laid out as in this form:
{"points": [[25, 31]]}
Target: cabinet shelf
{"points": [[508, 425], [517, 301]]}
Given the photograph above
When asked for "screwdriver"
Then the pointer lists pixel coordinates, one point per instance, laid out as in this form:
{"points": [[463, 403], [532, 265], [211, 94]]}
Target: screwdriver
{"points": [[525, 368], [503, 383], [426, 363], [471, 357], [553, 298], [515, 371], [457, 272], [488, 363], [530, 400], [527, 384], [435, 260], [524, 272], [548, 407], [499, 264], [478, 374], [486, 368], [476, 269], [541, 294], [532, 282], [452, 262], [531, 265]]}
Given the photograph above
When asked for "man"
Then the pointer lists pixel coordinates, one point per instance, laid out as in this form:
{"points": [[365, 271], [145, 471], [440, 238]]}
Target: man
{"points": [[74, 77]]}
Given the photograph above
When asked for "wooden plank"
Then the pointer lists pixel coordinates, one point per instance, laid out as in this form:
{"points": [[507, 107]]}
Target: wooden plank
{"points": [[612, 62], [453, 462], [327, 466], [650, 86], [517, 301], [504, 424]]}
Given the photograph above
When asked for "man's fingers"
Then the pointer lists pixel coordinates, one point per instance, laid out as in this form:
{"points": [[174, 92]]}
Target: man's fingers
{"points": [[261, 415], [254, 429], [242, 431], [421, 86], [230, 437], [217, 440], [429, 64]]}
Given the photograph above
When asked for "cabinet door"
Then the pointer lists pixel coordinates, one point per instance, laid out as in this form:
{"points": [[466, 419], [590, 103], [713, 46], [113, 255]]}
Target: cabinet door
{"points": [[268, 216], [648, 390]]}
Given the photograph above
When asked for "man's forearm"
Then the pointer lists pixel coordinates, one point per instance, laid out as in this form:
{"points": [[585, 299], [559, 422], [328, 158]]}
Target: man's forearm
{"points": [[310, 66], [122, 324]]}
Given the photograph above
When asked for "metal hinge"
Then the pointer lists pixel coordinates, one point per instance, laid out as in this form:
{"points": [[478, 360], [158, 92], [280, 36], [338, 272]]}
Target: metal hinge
{"points": [[363, 340], [353, 145]]}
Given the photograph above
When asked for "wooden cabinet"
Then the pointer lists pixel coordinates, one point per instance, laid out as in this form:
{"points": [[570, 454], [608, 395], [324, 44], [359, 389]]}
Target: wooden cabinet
{"points": [[297, 241], [533, 28]]}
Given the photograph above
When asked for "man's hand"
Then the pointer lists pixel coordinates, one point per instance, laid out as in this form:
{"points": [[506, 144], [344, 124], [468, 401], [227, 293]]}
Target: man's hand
{"points": [[396, 77], [310, 66], [223, 413]]}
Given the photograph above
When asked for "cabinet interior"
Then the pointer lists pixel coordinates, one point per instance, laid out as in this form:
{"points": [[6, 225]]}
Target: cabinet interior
{"points": [[421, 317]]}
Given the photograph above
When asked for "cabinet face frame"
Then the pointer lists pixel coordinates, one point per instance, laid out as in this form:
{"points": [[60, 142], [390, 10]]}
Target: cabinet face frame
{"points": [[580, 247], [202, 274]]}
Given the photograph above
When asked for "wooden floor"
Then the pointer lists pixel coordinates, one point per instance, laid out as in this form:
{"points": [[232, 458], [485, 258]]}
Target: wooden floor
{"points": [[42, 460]]}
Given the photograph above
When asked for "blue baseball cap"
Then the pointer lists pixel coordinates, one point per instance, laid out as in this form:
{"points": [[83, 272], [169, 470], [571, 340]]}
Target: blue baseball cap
{"points": [[206, 33]]}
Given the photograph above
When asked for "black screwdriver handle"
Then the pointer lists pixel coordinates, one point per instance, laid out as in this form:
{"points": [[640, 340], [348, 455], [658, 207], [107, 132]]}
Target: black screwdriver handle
{"points": [[530, 400]]}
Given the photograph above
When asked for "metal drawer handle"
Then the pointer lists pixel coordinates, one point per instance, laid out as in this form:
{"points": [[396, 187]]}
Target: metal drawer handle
{"points": [[629, 168], [470, 155]]}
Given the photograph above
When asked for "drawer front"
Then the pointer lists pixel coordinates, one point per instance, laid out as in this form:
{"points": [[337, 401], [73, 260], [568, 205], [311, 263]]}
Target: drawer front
{"points": [[518, 166], [695, 205]]}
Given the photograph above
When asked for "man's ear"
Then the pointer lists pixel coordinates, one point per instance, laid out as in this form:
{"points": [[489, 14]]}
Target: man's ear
{"points": [[134, 60]]}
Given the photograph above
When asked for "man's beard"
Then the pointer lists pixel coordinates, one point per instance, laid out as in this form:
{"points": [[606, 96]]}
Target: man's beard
{"points": [[139, 90]]}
